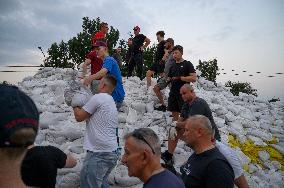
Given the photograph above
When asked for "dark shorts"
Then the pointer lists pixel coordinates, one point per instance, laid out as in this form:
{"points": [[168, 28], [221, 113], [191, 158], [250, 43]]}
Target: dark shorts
{"points": [[157, 68], [175, 102]]}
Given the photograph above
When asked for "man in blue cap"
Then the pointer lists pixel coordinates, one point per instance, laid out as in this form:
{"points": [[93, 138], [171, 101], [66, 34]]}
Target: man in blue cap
{"points": [[18, 128]]}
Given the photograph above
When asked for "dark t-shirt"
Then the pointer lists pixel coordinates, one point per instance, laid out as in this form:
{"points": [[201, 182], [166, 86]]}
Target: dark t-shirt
{"points": [[164, 179], [207, 169], [180, 69], [137, 42], [96, 63], [39, 167], [199, 107], [160, 51]]}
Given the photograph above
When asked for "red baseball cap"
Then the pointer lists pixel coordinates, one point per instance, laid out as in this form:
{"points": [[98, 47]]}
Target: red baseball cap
{"points": [[136, 28]]}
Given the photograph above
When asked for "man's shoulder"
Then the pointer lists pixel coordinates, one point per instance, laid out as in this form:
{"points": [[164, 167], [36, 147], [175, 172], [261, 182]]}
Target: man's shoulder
{"points": [[109, 59], [164, 179]]}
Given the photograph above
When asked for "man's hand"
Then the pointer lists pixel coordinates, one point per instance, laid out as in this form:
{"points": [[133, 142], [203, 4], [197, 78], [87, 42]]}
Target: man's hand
{"points": [[88, 80], [142, 48], [173, 131]]}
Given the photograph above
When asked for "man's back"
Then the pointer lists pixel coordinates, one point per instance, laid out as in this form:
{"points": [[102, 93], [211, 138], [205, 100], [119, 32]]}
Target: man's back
{"points": [[39, 167], [113, 69], [207, 169], [165, 179]]}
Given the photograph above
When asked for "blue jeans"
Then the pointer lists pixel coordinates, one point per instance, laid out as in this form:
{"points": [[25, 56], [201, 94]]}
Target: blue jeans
{"points": [[96, 169]]}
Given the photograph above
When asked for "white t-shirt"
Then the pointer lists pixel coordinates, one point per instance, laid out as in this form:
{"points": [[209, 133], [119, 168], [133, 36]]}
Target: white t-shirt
{"points": [[100, 134], [232, 158]]}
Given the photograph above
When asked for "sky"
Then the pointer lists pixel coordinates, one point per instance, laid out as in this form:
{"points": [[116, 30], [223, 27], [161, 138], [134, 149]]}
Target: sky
{"points": [[242, 35]]}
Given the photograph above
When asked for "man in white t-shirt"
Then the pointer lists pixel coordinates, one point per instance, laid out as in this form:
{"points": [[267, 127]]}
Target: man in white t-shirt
{"points": [[100, 138]]}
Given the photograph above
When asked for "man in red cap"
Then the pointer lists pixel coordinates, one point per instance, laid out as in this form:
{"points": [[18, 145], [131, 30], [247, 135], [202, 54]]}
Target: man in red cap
{"points": [[92, 59], [101, 34], [139, 43]]}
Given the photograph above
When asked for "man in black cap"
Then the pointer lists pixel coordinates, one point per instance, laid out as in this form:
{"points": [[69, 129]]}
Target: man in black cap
{"points": [[138, 48], [18, 128]]}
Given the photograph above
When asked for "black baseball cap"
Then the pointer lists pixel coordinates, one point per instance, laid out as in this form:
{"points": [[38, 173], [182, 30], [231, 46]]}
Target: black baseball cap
{"points": [[17, 111]]}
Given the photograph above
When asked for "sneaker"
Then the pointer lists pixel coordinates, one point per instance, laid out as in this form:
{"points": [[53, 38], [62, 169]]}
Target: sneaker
{"points": [[161, 108], [167, 158]]}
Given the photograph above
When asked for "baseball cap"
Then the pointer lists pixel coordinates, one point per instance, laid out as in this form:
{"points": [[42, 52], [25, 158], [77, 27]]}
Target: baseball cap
{"points": [[136, 28], [17, 111], [100, 43]]}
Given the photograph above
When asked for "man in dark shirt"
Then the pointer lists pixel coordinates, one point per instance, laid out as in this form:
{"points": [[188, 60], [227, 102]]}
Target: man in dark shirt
{"points": [[193, 106], [158, 66], [180, 73], [142, 158], [39, 167], [138, 48], [206, 167]]}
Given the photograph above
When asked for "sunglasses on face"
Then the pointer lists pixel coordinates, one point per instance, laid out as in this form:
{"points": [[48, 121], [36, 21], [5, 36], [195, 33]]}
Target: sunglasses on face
{"points": [[139, 136]]}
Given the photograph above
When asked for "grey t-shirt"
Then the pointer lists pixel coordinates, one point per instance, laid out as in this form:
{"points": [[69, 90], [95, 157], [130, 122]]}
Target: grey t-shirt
{"points": [[169, 63]]}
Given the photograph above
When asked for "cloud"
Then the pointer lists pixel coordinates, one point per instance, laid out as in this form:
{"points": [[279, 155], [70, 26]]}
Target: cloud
{"points": [[25, 25]]}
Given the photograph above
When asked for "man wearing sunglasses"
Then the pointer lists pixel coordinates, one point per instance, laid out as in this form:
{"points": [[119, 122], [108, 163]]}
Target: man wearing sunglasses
{"points": [[142, 158], [139, 43]]}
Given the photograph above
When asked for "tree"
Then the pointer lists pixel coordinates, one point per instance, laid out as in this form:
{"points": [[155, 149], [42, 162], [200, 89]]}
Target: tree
{"points": [[244, 87], [209, 69], [72, 53]]}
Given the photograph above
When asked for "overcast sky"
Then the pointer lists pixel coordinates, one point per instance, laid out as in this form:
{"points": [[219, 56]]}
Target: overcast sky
{"points": [[244, 35]]}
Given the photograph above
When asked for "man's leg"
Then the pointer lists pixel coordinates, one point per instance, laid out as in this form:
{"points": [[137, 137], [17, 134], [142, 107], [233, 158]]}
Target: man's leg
{"points": [[130, 67], [161, 84], [87, 177], [96, 169], [149, 74], [138, 58], [158, 93]]}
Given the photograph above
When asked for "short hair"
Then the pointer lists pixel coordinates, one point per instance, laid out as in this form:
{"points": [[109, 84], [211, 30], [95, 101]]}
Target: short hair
{"points": [[188, 86], [110, 81], [103, 24], [150, 136], [171, 40], [178, 47], [161, 33], [204, 122]]}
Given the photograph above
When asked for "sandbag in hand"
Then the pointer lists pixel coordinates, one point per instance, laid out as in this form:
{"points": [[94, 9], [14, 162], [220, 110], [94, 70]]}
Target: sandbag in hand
{"points": [[68, 95], [80, 99]]}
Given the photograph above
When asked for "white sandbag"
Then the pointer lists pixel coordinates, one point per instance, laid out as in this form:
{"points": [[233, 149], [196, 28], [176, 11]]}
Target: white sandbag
{"points": [[131, 116]]}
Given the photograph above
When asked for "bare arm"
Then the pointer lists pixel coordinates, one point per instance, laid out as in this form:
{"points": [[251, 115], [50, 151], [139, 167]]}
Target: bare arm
{"points": [[147, 42], [70, 161], [98, 75], [80, 114], [191, 78], [85, 65]]}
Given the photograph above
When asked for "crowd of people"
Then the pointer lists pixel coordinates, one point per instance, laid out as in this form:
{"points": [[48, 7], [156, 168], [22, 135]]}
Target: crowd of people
{"points": [[212, 163]]}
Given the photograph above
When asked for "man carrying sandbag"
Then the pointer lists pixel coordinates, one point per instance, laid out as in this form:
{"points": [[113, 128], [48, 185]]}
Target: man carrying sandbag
{"points": [[100, 140]]}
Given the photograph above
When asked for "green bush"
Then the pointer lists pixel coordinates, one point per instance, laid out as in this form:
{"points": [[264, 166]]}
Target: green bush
{"points": [[244, 87], [209, 69]]}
